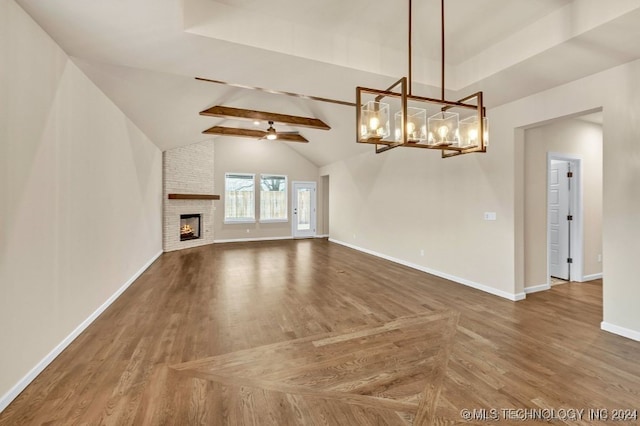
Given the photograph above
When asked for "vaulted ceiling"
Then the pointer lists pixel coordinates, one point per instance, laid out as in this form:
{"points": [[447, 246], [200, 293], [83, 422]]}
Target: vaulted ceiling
{"points": [[144, 55]]}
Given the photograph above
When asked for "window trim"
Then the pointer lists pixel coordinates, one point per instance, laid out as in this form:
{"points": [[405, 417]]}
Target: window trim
{"points": [[231, 221], [286, 192]]}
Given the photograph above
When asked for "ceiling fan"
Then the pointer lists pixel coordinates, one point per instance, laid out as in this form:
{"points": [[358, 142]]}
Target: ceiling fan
{"points": [[257, 117], [270, 134]]}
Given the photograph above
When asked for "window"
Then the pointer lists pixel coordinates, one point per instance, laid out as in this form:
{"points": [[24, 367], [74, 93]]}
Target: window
{"points": [[273, 198], [239, 197]]}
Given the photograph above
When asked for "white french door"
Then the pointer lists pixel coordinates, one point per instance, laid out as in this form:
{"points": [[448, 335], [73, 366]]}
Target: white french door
{"points": [[303, 209]]}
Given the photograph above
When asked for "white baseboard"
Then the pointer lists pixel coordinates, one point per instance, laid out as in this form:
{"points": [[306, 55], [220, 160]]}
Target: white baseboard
{"points": [[537, 288], [6, 399], [247, 240], [511, 296], [207, 243], [592, 277], [621, 331]]}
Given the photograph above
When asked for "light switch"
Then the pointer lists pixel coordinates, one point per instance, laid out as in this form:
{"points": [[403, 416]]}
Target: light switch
{"points": [[489, 215]]}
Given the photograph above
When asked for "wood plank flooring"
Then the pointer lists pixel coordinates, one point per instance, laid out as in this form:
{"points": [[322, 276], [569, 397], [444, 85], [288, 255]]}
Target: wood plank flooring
{"points": [[312, 333]]}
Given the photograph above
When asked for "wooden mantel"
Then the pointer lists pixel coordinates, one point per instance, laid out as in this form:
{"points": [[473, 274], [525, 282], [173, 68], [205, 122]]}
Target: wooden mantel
{"points": [[193, 197]]}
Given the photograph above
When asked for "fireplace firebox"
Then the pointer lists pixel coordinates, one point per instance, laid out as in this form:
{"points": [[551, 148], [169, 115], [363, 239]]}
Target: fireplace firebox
{"points": [[189, 227]]}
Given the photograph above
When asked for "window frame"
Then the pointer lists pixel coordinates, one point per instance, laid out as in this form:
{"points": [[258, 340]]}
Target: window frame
{"points": [[228, 220], [286, 199]]}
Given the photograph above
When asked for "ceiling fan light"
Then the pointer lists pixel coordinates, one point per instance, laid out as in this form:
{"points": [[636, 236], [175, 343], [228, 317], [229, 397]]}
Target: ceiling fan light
{"points": [[271, 132]]}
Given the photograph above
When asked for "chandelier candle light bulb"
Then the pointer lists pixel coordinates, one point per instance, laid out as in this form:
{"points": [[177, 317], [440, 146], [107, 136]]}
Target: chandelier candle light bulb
{"points": [[411, 128], [470, 131], [374, 121], [415, 127], [443, 131], [444, 125]]}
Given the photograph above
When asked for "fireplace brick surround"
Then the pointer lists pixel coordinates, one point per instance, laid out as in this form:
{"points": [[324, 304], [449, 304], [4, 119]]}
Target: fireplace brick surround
{"points": [[188, 170]]}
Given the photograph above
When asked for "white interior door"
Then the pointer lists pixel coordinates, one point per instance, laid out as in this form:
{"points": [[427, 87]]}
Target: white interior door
{"points": [[304, 209], [558, 214]]}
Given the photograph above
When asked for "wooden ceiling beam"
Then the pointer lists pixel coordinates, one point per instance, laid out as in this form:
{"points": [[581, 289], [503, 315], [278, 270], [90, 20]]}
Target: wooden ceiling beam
{"points": [[252, 115], [252, 133]]}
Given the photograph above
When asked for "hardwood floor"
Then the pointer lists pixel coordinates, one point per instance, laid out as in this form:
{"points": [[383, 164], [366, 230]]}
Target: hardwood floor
{"points": [[312, 333]]}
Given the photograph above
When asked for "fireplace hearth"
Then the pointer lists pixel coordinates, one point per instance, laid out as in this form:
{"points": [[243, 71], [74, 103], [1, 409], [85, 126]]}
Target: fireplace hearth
{"points": [[189, 226]]}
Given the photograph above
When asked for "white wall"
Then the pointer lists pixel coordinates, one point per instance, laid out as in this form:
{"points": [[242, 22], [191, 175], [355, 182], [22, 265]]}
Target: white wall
{"points": [[406, 202], [570, 136], [324, 180], [616, 90], [238, 155], [402, 201], [80, 198]]}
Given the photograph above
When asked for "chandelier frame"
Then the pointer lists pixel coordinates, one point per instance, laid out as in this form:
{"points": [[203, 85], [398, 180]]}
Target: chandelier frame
{"points": [[402, 89]]}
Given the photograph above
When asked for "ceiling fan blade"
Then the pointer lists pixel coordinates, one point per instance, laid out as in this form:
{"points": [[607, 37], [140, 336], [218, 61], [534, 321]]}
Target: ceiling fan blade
{"points": [[233, 131], [252, 133], [252, 115], [288, 137]]}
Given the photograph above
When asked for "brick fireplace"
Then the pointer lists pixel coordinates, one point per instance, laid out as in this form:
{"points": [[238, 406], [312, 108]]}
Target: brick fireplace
{"points": [[188, 185]]}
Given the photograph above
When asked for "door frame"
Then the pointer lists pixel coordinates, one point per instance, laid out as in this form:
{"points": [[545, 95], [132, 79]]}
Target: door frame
{"points": [[576, 240], [314, 215]]}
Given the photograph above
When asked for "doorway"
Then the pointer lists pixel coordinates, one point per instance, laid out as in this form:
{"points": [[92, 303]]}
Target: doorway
{"points": [[303, 209], [578, 143]]}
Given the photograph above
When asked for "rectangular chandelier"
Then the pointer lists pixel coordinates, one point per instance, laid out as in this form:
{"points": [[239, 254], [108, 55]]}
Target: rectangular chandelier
{"points": [[397, 118], [454, 127]]}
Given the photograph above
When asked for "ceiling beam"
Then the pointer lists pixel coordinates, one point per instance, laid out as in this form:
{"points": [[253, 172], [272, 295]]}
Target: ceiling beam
{"points": [[252, 133], [252, 115], [278, 92]]}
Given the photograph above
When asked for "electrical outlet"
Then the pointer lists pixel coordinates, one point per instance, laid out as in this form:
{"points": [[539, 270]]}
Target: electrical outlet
{"points": [[248, 230], [599, 258], [421, 252]]}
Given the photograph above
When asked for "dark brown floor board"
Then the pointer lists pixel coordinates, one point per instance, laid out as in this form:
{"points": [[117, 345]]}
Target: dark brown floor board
{"points": [[309, 332]]}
